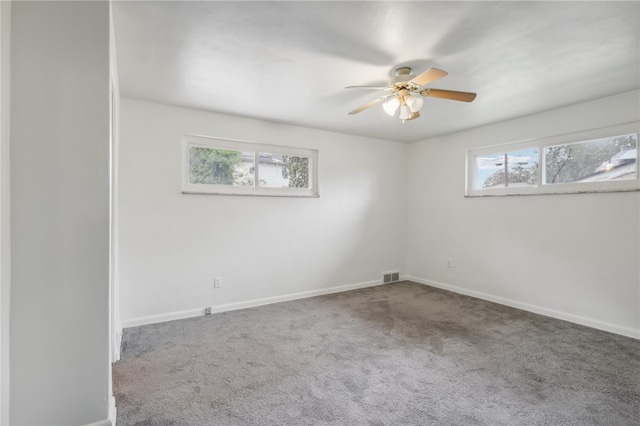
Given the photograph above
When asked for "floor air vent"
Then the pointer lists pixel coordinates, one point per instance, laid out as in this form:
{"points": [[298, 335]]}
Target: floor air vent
{"points": [[391, 277]]}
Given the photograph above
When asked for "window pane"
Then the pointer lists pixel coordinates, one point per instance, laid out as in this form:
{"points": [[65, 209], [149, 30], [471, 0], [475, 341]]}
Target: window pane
{"points": [[608, 159], [509, 169], [283, 171], [220, 167], [522, 167], [490, 171]]}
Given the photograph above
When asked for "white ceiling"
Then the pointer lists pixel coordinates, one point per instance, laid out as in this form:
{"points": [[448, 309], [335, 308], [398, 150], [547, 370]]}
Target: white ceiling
{"points": [[289, 62]]}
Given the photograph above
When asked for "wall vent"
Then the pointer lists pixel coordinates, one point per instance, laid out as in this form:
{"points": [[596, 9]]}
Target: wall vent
{"points": [[390, 277]]}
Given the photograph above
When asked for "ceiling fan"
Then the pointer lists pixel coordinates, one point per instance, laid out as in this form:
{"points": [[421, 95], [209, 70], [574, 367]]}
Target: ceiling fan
{"points": [[403, 90]]}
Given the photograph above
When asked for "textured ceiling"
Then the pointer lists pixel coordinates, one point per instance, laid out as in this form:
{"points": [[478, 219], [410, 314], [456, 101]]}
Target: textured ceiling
{"points": [[289, 62]]}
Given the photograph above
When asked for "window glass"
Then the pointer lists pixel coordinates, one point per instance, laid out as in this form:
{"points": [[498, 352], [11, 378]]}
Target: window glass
{"points": [[220, 166], [597, 160], [508, 169], [283, 171], [606, 159], [232, 167]]}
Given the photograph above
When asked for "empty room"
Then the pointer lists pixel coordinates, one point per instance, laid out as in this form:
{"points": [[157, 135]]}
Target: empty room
{"points": [[319, 213]]}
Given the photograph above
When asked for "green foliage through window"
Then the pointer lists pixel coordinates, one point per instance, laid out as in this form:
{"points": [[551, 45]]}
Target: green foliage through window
{"points": [[233, 167], [218, 167], [297, 170]]}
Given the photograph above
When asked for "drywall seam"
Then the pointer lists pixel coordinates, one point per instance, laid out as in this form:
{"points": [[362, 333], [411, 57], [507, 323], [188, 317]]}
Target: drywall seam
{"points": [[152, 319], [600, 325]]}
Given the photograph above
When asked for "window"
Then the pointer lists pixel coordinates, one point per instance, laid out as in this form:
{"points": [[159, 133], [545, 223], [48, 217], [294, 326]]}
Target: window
{"points": [[602, 160], [598, 160], [507, 169], [224, 166]]}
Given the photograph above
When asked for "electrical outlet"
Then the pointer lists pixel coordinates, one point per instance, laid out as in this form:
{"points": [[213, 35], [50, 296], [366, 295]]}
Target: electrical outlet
{"points": [[449, 262], [217, 282], [207, 311]]}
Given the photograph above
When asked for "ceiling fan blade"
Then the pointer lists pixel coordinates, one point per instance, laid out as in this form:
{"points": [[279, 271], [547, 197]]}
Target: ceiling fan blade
{"points": [[370, 104], [449, 94], [414, 116], [369, 87], [432, 74]]}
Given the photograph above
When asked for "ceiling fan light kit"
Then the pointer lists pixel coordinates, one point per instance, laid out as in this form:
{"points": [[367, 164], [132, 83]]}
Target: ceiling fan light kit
{"points": [[404, 87]]}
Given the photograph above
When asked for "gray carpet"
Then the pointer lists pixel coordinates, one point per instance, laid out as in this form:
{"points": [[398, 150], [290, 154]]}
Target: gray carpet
{"points": [[399, 354]]}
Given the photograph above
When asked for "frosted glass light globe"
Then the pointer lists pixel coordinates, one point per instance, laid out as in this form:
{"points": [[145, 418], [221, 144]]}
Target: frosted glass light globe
{"points": [[414, 103], [391, 106], [405, 113]]}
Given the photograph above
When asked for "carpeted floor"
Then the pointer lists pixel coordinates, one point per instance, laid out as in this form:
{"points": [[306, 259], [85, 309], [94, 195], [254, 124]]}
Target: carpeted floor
{"points": [[399, 354]]}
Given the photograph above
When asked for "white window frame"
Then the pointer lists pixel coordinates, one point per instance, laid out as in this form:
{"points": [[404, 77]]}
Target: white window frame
{"points": [[539, 187], [198, 141]]}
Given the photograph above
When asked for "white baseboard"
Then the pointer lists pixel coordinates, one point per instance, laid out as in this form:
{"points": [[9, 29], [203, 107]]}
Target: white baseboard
{"points": [[118, 345], [600, 325], [111, 420], [170, 316], [113, 411]]}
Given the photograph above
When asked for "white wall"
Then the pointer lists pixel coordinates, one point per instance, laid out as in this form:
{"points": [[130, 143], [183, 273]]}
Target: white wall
{"points": [[171, 245], [5, 237], [60, 212], [570, 256]]}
